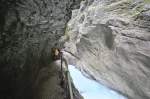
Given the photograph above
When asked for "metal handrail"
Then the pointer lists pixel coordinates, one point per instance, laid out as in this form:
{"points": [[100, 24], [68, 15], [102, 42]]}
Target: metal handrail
{"points": [[67, 75]]}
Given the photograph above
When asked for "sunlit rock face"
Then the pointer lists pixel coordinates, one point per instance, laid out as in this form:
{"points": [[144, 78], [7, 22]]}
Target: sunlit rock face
{"points": [[28, 31], [112, 41]]}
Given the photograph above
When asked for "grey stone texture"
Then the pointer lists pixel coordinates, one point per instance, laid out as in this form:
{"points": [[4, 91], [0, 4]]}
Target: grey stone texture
{"points": [[112, 40]]}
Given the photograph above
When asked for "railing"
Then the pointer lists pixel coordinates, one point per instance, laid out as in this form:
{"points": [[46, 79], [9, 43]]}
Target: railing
{"points": [[67, 77]]}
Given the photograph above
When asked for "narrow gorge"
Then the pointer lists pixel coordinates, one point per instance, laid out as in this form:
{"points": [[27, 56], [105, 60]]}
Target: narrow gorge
{"points": [[108, 41]]}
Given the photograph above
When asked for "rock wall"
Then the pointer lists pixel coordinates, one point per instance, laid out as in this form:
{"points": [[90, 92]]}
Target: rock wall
{"points": [[111, 39], [28, 31]]}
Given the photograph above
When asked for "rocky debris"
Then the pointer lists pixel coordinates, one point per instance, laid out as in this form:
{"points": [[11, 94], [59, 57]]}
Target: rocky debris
{"points": [[112, 40], [28, 31]]}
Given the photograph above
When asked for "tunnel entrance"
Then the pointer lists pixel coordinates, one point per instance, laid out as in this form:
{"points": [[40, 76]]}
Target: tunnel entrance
{"points": [[90, 89]]}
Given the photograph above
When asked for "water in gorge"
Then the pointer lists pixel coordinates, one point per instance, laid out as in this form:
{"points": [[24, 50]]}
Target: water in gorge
{"points": [[90, 89]]}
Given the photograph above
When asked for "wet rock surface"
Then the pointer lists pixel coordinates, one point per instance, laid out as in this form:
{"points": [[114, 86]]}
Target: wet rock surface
{"points": [[109, 40], [28, 31], [112, 40], [48, 84]]}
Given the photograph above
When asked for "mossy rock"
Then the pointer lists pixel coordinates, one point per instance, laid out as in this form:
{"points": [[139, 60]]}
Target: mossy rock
{"points": [[146, 1]]}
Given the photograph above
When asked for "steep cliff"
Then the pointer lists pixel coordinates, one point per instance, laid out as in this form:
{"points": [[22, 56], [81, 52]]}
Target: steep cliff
{"points": [[28, 31], [108, 39], [111, 39]]}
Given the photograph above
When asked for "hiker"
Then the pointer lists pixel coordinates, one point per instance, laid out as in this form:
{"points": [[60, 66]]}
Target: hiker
{"points": [[55, 53]]}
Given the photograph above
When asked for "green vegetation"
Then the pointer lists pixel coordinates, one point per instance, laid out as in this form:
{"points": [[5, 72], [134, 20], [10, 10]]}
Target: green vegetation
{"points": [[146, 1], [117, 4], [136, 11], [122, 8]]}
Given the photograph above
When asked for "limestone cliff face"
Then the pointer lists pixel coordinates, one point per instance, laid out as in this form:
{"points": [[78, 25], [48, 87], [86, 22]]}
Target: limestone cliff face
{"points": [[112, 40], [28, 31]]}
